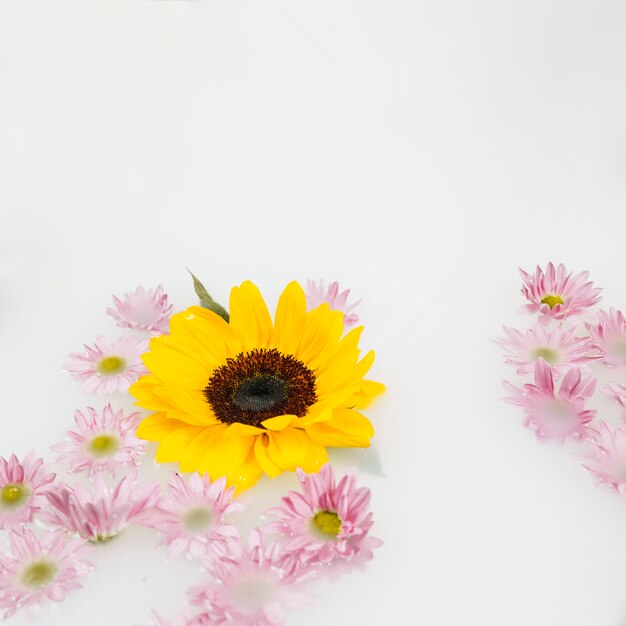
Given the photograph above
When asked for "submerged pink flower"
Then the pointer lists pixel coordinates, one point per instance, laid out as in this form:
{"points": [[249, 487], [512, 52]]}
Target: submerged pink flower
{"points": [[606, 456], [318, 293], [192, 515], [40, 569], [147, 311], [103, 441], [252, 585], [22, 488], [108, 366], [101, 513], [560, 348], [328, 520], [557, 294], [555, 414], [608, 335]]}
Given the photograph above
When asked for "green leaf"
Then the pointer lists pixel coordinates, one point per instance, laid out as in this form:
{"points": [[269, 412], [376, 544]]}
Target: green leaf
{"points": [[205, 299]]}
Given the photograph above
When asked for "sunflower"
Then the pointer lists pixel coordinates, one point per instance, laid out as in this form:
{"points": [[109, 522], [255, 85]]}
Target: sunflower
{"points": [[249, 396]]}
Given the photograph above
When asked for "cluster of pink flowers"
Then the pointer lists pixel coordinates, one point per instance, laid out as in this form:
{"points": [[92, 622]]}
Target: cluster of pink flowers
{"points": [[565, 351]]}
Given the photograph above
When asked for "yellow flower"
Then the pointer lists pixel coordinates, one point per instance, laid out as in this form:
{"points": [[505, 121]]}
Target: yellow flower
{"points": [[251, 396]]}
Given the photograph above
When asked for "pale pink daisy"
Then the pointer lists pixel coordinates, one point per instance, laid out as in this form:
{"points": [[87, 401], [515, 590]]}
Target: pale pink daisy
{"points": [[608, 335], [101, 513], [109, 366], [606, 456], [40, 569], [555, 414], [146, 311], [193, 513], [102, 441], [559, 347], [23, 485], [329, 520], [252, 585], [556, 294], [183, 619], [317, 293]]}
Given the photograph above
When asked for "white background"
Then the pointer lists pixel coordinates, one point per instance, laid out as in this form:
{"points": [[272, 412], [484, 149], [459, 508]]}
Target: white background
{"points": [[418, 152]]}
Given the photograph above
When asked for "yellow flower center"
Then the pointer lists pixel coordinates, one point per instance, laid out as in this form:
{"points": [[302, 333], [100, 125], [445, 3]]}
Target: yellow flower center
{"points": [[327, 523], [14, 495], [198, 519], [38, 573], [103, 445], [111, 365], [551, 300], [547, 354]]}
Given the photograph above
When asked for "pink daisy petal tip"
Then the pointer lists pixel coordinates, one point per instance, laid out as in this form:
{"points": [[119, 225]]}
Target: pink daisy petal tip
{"points": [[608, 335], [605, 456], [318, 293], [145, 311]]}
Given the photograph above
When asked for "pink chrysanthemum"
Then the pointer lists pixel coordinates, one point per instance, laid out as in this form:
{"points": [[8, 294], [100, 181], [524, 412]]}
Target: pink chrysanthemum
{"points": [[557, 294], [22, 489], [146, 311], [551, 414], [560, 348], [39, 569], [192, 515], [102, 513], [109, 366], [606, 456], [328, 520], [252, 585], [103, 441], [318, 293], [608, 335], [184, 619]]}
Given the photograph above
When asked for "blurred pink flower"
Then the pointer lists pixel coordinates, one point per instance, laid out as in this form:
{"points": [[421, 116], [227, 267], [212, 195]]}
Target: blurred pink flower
{"points": [[616, 393], [109, 366], [192, 515], [555, 414], [608, 335], [252, 585], [557, 294], [142, 310], [318, 293], [103, 441], [606, 456], [560, 348], [39, 569], [100, 514], [328, 520], [22, 488]]}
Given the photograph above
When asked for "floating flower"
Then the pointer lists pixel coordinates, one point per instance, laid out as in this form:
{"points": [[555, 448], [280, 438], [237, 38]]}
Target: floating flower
{"points": [[22, 488], [100, 514], [103, 441], [318, 293], [606, 456], [328, 520], [142, 310], [557, 294], [552, 414], [252, 585], [560, 348], [107, 366], [193, 514], [608, 335], [39, 569], [241, 398]]}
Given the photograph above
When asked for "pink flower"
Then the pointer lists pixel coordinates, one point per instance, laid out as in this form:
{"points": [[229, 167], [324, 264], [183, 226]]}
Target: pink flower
{"points": [[608, 335], [109, 366], [551, 414], [251, 585], [318, 293], [606, 456], [328, 520], [22, 488], [616, 393], [560, 348], [192, 515], [557, 294], [142, 310], [40, 568], [184, 619], [100, 514], [102, 442]]}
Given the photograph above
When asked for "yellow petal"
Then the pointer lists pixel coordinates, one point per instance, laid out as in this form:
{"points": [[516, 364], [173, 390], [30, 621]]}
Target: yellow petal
{"points": [[249, 316], [172, 445], [157, 426], [172, 366], [246, 475], [368, 390], [292, 448], [215, 330], [224, 453], [290, 318], [260, 451], [327, 436], [280, 422]]}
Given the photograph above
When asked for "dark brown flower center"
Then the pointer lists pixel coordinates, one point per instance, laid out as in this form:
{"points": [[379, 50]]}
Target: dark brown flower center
{"points": [[260, 384]]}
